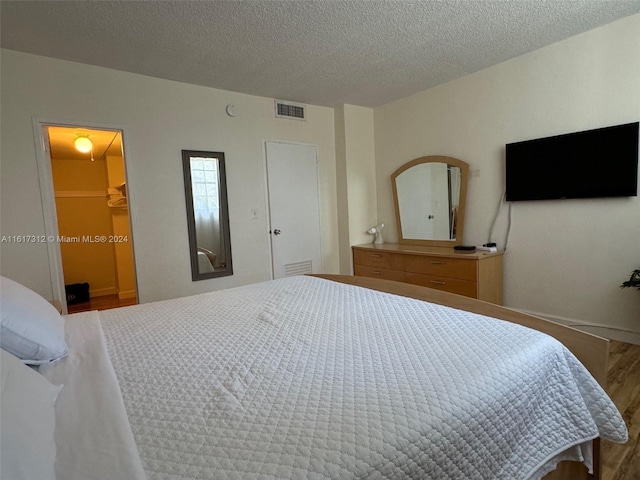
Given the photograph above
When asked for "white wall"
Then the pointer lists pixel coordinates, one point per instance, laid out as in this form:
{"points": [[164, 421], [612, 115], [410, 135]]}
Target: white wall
{"points": [[160, 118], [342, 186], [356, 172], [361, 173], [564, 258]]}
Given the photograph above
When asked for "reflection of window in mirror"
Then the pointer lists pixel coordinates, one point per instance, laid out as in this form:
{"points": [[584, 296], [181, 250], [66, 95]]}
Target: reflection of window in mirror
{"points": [[207, 214], [206, 201]]}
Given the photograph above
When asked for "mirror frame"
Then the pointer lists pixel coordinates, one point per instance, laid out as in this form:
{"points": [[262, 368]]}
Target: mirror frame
{"points": [[191, 221], [464, 175]]}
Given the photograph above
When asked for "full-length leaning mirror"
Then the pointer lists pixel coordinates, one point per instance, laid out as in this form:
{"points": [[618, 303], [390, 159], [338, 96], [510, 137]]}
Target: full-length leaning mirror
{"points": [[205, 188], [429, 195]]}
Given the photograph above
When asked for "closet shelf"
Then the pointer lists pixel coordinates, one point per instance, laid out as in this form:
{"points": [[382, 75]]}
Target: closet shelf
{"points": [[80, 193]]}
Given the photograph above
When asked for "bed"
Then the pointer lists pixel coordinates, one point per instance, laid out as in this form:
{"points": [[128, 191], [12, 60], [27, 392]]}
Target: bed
{"points": [[316, 377]]}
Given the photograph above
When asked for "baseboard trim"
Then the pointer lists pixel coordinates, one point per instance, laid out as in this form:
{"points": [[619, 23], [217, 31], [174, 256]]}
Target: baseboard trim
{"points": [[101, 292], [127, 294], [606, 331]]}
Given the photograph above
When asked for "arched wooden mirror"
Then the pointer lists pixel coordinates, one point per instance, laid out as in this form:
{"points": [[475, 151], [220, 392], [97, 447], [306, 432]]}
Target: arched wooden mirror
{"points": [[429, 195]]}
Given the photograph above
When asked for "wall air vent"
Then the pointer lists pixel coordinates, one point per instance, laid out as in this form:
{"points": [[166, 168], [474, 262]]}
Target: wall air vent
{"points": [[294, 111]]}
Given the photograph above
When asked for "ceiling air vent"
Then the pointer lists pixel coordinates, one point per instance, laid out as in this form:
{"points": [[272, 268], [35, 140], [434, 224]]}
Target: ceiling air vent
{"points": [[294, 111]]}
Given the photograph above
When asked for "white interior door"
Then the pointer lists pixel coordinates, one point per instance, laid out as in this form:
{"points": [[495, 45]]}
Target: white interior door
{"points": [[292, 181]]}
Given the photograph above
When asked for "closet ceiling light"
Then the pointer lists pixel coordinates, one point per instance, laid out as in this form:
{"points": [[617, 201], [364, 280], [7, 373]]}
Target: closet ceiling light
{"points": [[83, 144]]}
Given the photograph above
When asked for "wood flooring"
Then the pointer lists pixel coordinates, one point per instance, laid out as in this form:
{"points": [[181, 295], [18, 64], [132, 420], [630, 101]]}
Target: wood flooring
{"points": [[622, 462], [104, 302]]}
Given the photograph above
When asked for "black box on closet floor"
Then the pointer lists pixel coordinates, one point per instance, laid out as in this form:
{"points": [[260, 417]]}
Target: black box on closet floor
{"points": [[77, 293]]}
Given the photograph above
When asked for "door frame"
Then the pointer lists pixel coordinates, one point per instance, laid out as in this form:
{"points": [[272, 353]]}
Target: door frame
{"points": [[47, 195], [268, 201]]}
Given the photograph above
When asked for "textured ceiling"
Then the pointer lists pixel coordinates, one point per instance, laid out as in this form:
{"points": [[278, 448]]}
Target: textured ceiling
{"points": [[319, 52]]}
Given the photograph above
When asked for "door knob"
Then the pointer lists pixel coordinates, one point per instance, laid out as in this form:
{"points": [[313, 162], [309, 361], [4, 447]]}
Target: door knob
{"points": [[276, 232]]}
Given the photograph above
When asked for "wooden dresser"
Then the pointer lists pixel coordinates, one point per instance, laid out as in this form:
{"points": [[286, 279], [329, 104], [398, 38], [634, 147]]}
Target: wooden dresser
{"points": [[477, 275]]}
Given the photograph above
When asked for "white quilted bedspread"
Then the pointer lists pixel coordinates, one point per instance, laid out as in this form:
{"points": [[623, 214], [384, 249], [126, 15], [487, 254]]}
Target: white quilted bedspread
{"points": [[303, 378]]}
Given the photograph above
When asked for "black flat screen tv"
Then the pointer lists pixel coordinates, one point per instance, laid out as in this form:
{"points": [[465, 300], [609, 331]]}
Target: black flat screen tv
{"points": [[590, 164]]}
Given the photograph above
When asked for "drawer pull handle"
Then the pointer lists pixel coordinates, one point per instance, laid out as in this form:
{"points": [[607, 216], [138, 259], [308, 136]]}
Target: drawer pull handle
{"points": [[378, 272], [438, 282], [376, 255], [434, 262]]}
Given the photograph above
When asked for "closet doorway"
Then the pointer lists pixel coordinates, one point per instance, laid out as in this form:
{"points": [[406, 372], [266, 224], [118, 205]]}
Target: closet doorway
{"points": [[92, 213]]}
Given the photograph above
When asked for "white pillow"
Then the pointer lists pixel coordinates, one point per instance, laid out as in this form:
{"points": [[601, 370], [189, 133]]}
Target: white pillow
{"points": [[32, 329], [27, 418]]}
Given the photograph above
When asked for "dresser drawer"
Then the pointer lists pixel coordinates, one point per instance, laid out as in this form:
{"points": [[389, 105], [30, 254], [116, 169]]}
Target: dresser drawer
{"points": [[365, 271], [475, 275], [452, 285], [392, 261], [460, 268]]}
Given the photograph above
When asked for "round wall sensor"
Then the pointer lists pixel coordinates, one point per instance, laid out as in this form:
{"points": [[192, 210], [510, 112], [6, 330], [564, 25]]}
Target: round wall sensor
{"points": [[231, 110]]}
